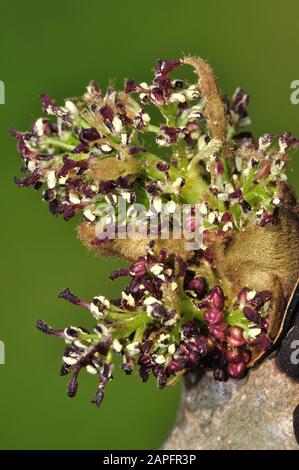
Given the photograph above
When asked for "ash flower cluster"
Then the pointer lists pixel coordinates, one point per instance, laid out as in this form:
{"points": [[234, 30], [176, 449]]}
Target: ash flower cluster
{"points": [[177, 312], [93, 149], [167, 320]]}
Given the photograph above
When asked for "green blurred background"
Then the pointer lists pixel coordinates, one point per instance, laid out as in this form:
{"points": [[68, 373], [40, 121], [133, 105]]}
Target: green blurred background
{"points": [[56, 48]]}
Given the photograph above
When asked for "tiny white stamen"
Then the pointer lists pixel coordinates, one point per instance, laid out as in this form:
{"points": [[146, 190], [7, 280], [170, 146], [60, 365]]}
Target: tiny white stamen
{"points": [[89, 215], [177, 97], [170, 207], [51, 179], [150, 301], [129, 299], [39, 127], [116, 345], [106, 148], [211, 217], [160, 359], [31, 166], [71, 107], [156, 269], [251, 294], [70, 361], [117, 124], [91, 370], [74, 199]]}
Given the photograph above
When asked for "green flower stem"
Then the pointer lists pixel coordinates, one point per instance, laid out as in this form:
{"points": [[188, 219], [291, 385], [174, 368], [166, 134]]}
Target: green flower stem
{"points": [[58, 143], [194, 186]]}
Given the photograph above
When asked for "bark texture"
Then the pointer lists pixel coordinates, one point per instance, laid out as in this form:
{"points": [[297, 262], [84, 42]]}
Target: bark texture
{"points": [[254, 413]]}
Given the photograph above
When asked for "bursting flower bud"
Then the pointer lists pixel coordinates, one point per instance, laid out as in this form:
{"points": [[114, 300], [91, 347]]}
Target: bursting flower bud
{"points": [[183, 306]]}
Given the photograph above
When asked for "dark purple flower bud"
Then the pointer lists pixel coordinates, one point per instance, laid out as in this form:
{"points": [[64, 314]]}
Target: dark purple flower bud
{"points": [[139, 268], [199, 285], [134, 150], [287, 141], [157, 95], [246, 207], [163, 82], [158, 312], [213, 316], [81, 148], [218, 330], [44, 328], [166, 66], [234, 355], [118, 273], [237, 195], [215, 298], [192, 358], [54, 207], [266, 219], [49, 105], [171, 133], [65, 369], [226, 217], [105, 376], [130, 86], [182, 265], [175, 365], [107, 113], [98, 398], [219, 167], [68, 211], [162, 166], [252, 315], [137, 289], [145, 361], [89, 135], [66, 294], [240, 102], [29, 180], [68, 164], [144, 373], [265, 140], [261, 341], [202, 345], [73, 385], [197, 346], [127, 368], [236, 371], [190, 329], [242, 295], [162, 380], [235, 337], [262, 297]]}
